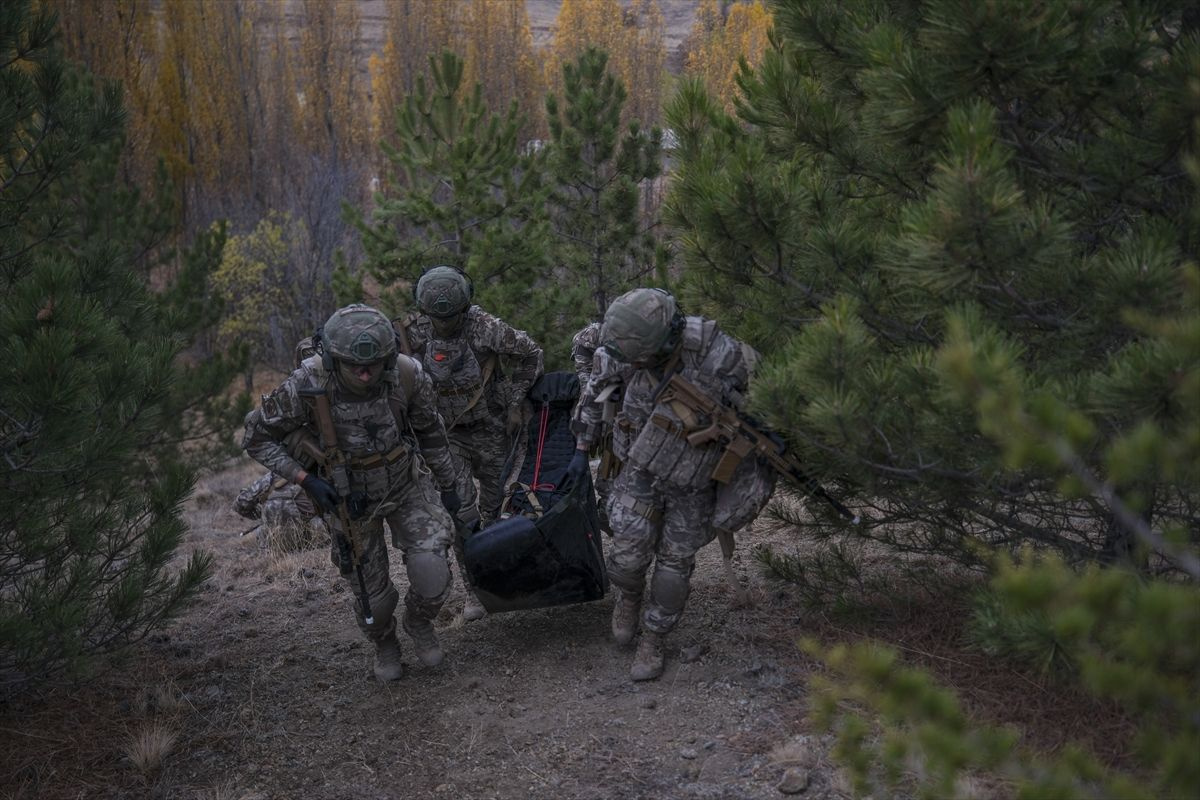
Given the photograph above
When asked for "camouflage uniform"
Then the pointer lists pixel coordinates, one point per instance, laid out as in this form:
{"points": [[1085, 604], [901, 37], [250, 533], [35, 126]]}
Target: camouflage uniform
{"points": [[479, 436], [395, 480], [584, 345], [272, 498], [589, 357], [276, 502], [662, 502]]}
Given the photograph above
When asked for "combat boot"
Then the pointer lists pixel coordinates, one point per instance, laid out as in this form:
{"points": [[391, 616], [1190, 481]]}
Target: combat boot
{"points": [[472, 608], [625, 617], [648, 662], [388, 666], [425, 641]]}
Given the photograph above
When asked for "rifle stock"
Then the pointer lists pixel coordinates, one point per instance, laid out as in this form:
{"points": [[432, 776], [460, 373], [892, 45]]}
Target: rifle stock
{"points": [[740, 438], [333, 461]]}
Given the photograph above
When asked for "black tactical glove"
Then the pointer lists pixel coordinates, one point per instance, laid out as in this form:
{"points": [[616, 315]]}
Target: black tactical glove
{"points": [[578, 466], [451, 501], [321, 491]]}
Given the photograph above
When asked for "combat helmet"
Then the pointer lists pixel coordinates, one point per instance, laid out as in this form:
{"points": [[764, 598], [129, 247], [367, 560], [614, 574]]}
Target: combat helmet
{"points": [[443, 291], [641, 325], [357, 334]]}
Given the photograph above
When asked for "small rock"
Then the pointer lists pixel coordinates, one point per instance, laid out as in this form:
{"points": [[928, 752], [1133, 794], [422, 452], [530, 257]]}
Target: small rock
{"points": [[692, 653], [794, 781], [688, 752], [710, 744], [444, 787], [649, 702]]}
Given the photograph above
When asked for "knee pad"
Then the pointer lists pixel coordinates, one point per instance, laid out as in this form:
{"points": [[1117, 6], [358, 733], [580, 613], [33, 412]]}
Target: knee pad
{"points": [[428, 574], [627, 580], [669, 589]]}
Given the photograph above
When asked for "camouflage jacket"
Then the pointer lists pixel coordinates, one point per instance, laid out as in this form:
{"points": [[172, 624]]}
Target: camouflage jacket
{"points": [[652, 435], [459, 366], [583, 350], [380, 451]]}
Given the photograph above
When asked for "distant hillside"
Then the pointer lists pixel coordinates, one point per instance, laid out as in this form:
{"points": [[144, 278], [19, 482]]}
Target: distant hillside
{"points": [[677, 14]]}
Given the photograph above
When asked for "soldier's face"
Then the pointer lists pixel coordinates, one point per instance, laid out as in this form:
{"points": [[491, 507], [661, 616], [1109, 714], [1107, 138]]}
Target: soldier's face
{"points": [[360, 378], [444, 327]]}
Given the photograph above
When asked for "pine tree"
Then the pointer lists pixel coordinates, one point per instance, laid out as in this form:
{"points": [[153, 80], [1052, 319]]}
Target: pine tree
{"points": [[966, 239], [94, 404], [906, 194], [461, 193], [598, 177]]}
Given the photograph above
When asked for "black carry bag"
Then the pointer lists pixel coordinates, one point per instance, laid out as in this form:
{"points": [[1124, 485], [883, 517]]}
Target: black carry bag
{"points": [[547, 550]]}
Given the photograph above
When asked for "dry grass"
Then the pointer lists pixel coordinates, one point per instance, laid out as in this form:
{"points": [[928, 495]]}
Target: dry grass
{"points": [[798, 751], [148, 747], [160, 698], [283, 538]]}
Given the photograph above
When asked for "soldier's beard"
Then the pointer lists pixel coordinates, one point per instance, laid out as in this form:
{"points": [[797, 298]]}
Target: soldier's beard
{"points": [[360, 378]]}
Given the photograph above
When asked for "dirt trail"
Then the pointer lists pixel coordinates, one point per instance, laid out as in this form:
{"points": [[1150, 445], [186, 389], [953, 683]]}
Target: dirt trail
{"points": [[268, 683]]}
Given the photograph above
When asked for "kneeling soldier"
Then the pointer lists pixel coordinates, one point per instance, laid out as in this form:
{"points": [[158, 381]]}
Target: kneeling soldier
{"points": [[359, 396], [662, 501]]}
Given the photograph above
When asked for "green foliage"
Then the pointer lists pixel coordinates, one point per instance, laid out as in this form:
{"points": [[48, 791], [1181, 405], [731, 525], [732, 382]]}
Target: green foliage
{"points": [[264, 312], [95, 397], [956, 230], [461, 193], [1024, 636], [1133, 643], [598, 176]]}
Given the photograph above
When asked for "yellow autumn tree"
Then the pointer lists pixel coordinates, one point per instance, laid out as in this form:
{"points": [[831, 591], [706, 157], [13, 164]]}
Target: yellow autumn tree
{"points": [[582, 24], [645, 61], [255, 282], [500, 58], [120, 44], [333, 97], [206, 122], [721, 35], [414, 30], [633, 37]]}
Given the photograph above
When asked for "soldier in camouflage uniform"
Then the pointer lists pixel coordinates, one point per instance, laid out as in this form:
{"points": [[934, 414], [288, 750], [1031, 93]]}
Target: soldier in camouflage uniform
{"points": [[481, 369], [385, 416], [272, 498], [589, 357], [663, 499]]}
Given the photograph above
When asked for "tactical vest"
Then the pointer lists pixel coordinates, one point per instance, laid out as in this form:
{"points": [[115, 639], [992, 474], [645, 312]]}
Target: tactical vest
{"points": [[654, 435], [459, 380], [370, 432]]}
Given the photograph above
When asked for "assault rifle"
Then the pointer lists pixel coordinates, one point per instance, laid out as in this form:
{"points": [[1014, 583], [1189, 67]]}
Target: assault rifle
{"points": [[740, 437], [333, 461]]}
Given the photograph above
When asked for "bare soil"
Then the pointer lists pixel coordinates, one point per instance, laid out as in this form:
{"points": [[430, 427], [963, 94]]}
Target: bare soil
{"points": [[264, 690], [267, 685]]}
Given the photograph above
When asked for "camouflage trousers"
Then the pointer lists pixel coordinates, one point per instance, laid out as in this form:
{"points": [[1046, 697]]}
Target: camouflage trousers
{"points": [[421, 530], [668, 527], [479, 452]]}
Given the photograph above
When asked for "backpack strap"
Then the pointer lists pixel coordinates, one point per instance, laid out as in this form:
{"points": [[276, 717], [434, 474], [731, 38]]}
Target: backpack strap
{"points": [[406, 371]]}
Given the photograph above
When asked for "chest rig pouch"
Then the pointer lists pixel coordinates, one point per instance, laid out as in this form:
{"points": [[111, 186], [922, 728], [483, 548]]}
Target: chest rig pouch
{"points": [[379, 459], [459, 379], [661, 446]]}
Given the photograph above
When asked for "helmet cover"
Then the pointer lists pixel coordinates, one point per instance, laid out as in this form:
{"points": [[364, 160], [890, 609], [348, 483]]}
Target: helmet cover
{"points": [[639, 325], [358, 334], [443, 292]]}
